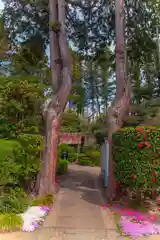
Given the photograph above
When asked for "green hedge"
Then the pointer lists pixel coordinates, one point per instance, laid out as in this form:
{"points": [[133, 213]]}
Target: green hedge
{"points": [[89, 158], [137, 168], [62, 167], [85, 160]]}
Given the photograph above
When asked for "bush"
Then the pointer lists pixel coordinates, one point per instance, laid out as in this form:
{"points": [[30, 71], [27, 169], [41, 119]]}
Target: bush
{"points": [[137, 169], [9, 171], [33, 143], [18, 171], [43, 201], [31, 130], [90, 158], [94, 157], [84, 160], [62, 166], [14, 201], [8, 129], [28, 156], [10, 222], [69, 149], [6, 147]]}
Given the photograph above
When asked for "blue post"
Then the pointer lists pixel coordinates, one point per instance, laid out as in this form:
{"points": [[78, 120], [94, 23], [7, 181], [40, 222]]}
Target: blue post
{"points": [[106, 163]]}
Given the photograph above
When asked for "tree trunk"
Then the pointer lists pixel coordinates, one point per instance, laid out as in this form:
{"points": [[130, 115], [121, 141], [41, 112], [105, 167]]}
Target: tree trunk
{"points": [[120, 49], [61, 68], [120, 106]]}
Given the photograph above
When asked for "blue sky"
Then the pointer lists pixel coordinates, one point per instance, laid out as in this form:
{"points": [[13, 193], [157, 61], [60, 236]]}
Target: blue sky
{"points": [[1, 5]]}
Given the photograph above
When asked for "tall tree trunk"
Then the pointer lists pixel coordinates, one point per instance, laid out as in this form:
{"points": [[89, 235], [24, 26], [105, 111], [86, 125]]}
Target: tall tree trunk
{"points": [[120, 106], [61, 68], [120, 49]]}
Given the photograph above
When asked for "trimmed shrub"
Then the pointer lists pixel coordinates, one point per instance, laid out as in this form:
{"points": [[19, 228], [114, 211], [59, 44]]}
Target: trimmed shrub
{"points": [[90, 158], [94, 157], [84, 160], [62, 166], [137, 167], [69, 149], [10, 222]]}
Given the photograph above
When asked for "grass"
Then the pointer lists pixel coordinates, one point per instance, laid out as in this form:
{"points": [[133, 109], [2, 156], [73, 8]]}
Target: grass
{"points": [[10, 222], [6, 147]]}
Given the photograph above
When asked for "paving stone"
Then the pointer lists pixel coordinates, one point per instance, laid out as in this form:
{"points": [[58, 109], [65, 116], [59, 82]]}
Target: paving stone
{"points": [[76, 213]]}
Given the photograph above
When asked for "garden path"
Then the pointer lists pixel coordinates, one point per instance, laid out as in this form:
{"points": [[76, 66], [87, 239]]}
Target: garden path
{"points": [[77, 213]]}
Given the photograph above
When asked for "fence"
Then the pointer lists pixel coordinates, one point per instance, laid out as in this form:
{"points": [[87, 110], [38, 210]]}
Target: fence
{"points": [[104, 162]]}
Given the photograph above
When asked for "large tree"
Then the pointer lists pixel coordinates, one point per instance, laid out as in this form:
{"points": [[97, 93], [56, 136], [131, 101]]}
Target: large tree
{"points": [[120, 106], [61, 68]]}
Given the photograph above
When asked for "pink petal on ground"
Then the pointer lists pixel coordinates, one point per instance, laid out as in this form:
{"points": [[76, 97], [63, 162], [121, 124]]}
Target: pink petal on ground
{"points": [[138, 229]]}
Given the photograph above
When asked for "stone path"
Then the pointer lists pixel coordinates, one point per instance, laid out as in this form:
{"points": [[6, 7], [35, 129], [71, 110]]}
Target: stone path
{"points": [[77, 212]]}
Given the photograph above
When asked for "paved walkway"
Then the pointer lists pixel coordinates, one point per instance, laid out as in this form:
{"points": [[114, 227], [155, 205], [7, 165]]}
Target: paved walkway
{"points": [[77, 212]]}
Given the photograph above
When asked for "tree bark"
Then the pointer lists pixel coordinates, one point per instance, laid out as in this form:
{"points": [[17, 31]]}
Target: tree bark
{"points": [[120, 49], [61, 68], [120, 106]]}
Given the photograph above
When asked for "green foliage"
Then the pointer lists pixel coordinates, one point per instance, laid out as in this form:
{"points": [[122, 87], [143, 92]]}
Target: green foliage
{"points": [[10, 222], [95, 147], [24, 163], [85, 160], [9, 175], [71, 122], [55, 26], [28, 156], [8, 129], [31, 142], [99, 129], [133, 121], [94, 156], [134, 167], [69, 149], [20, 102], [142, 113], [31, 130], [3, 39], [13, 201], [62, 166], [43, 201], [6, 147], [90, 157], [30, 58]]}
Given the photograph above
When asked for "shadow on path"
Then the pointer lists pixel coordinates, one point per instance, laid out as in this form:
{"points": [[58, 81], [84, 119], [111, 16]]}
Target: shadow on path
{"points": [[86, 180]]}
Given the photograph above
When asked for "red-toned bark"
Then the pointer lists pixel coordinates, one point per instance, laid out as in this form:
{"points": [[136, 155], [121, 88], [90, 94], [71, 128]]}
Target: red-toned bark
{"points": [[120, 106], [61, 68]]}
